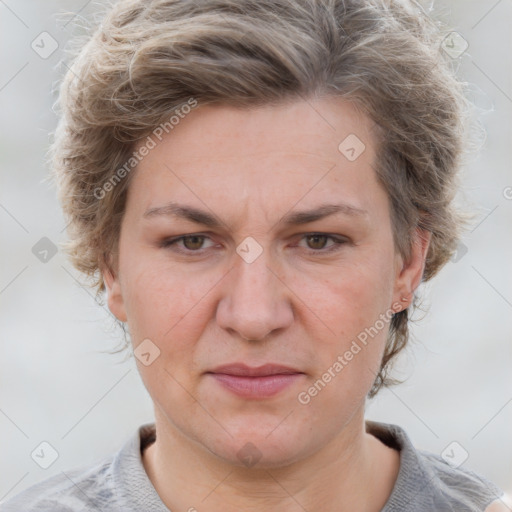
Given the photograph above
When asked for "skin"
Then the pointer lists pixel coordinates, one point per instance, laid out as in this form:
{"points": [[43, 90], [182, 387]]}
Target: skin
{"points": [[295, 305]]}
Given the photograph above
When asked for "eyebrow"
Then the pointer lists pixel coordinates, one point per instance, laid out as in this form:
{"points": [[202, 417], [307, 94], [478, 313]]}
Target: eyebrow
{"points": [[198, 216], [173, 209]]}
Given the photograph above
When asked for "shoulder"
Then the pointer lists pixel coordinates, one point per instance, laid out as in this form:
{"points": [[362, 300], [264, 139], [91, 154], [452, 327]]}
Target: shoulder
{"points": [[504, 504], [80, 489], [461, 487], [112, 484], [426, 481]]}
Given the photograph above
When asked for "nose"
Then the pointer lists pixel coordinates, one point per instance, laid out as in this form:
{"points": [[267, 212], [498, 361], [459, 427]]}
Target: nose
{"points": [[255, 301]]}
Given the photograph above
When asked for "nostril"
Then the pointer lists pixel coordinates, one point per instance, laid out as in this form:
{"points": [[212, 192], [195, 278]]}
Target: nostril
{"points": [[254, 339]]}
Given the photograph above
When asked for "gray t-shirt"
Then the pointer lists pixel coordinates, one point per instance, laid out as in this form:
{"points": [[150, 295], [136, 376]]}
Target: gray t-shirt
{"points": [[119, 483]]}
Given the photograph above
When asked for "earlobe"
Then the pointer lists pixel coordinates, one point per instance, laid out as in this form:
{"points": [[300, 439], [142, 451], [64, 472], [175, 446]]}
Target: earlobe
{"points": [[411, 271], [115, 298]]}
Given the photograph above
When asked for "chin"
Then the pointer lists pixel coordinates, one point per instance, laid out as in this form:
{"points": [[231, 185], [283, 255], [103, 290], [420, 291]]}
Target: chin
{"points": [[255, 448]]}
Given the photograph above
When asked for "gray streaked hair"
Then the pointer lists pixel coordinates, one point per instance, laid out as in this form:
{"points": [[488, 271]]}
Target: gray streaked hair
{"points": [[148, 58]]}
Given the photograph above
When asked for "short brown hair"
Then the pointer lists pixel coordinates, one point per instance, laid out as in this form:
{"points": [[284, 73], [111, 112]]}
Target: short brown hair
{"points": [[147, 59]]}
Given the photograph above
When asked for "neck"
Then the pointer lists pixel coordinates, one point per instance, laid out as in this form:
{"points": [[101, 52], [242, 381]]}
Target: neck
{"points": [[336, 478]]}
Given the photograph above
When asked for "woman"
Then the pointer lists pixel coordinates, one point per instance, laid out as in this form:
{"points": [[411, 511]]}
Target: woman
{"points": [[260, 188]]}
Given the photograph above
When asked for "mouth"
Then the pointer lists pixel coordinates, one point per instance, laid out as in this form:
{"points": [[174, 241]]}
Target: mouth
{"points": [[255, 382]]}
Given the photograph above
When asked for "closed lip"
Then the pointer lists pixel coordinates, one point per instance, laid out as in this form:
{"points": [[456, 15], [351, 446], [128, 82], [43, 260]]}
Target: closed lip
{"points": [[243, 370]]}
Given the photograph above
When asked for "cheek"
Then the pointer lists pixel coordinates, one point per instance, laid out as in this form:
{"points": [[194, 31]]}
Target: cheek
{"points": [[170, 306], [354, 305], [165, 307], [351, 298]]}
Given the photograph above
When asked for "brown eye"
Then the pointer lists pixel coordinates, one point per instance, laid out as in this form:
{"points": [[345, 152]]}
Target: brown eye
{"points": [[193, 242], [317, 241], [186, 243]]}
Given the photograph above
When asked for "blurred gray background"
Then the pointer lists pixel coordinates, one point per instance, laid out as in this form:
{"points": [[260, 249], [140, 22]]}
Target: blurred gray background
{"points": [[58, 385]]}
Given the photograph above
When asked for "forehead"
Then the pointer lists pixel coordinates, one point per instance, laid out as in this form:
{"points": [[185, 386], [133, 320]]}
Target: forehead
{"points": [[262, 156], [223, 131]]}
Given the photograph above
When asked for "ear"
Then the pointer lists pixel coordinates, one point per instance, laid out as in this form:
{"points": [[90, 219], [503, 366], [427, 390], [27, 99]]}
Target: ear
{"points": [[410, 272], [115, 296]]}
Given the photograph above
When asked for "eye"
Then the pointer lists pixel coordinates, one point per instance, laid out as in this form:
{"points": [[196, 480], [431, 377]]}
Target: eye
{"points": [[192, 243], [317, 242]]}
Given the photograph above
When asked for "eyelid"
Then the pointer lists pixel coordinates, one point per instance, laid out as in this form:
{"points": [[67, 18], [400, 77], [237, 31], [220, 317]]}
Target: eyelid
{"points": [[338, 240], [169, 242]]}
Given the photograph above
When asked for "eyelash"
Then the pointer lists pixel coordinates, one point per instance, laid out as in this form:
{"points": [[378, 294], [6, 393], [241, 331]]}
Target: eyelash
{"points": [[338, 241]]}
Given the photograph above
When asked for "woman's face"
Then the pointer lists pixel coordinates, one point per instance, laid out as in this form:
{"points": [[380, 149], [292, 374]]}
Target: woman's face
{"points": [[251, 285]]}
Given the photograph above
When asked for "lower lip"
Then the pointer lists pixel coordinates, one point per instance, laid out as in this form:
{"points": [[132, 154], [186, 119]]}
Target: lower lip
{"points": [[256, 387]]}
